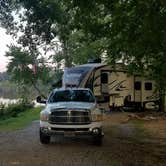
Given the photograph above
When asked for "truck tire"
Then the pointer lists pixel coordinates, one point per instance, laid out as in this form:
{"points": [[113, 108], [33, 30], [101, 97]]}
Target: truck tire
{"points": [[97, 140], [44, 139]]}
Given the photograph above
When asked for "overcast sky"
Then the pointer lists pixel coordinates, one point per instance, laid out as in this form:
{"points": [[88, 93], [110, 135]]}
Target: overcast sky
{"points": [[4, 41]]}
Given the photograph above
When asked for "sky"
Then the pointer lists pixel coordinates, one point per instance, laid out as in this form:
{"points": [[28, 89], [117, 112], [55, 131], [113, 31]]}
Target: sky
{"points": [[4, 41]]}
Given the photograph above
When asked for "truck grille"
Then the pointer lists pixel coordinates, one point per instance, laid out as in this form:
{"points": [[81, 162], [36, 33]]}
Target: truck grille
{"points": [[70, 117]]}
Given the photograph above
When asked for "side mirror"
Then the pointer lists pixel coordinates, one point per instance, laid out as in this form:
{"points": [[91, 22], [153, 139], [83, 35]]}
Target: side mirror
{"points": [[39, 100]]}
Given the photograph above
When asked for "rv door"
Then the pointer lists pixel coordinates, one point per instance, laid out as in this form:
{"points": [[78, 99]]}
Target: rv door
{"points": [[104, 82], [137, 89]]}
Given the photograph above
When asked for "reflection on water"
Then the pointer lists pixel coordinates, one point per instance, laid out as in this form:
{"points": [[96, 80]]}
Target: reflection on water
{"points": [[8, 101], [13, 101]]}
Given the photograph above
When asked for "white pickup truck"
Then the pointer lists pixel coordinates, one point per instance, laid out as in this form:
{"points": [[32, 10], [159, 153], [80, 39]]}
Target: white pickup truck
{"points": [[70, 112]]}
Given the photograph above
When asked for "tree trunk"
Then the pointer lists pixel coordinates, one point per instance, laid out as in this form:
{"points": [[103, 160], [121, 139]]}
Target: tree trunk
{"points": [[38, 90], [68, 61]]}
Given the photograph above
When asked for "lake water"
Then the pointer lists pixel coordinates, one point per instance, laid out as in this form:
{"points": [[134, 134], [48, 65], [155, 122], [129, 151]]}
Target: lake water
{"points": [[8, 101], [13, 101]]}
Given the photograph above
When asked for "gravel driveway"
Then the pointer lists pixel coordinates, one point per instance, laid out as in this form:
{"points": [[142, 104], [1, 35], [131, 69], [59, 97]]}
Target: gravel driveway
{"points": [[120, 148]]}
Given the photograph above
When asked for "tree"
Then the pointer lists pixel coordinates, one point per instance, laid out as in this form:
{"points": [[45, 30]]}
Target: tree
{"points": [[24, 72], [41, 23], [135, 31], [48, 24]]}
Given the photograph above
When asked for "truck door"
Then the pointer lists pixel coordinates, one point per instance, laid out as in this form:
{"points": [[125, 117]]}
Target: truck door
{"points": [[137, 89]]}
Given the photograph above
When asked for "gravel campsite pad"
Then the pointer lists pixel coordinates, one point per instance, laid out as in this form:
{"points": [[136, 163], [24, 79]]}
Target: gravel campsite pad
{"points": [[125, 143]]}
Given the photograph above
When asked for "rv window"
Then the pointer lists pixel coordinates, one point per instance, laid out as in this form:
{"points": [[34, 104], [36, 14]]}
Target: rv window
{"points": [[104, 78], [137, 85], [148, 86]]}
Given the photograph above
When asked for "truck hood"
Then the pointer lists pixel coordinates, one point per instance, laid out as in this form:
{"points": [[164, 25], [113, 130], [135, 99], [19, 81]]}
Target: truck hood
{"points": [[70, 105]]}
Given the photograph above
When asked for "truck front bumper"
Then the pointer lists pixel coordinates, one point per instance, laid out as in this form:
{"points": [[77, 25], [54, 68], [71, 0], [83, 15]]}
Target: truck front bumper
{"points": [[71, 130]]}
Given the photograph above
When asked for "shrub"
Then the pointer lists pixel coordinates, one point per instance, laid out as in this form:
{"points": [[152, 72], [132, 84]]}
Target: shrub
{"points": [[2, 107], [13, 110]]}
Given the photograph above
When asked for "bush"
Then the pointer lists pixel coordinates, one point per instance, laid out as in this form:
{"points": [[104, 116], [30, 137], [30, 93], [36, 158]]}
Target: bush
{"points": [[2, 107], [13, 110]]}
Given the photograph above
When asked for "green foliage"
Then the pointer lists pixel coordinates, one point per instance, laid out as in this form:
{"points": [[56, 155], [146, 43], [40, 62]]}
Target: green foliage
{"points": [[13, 110], [44, 23], [134, 31], [27, 70], [18, 66], [22, 120], [82, 47], [40, 22]]}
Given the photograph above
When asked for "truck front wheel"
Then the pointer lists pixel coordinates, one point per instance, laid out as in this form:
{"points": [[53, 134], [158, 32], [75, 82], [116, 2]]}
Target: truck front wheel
{"points": [[97, 140], [44, 139]]}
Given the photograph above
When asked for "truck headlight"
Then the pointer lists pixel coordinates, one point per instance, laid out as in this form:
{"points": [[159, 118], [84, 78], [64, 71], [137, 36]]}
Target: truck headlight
{"points": [[44, 117], [97, 117]]}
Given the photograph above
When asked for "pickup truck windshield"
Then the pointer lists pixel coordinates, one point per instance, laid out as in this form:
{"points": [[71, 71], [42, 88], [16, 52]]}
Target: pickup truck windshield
{"points": [[71, 95]]}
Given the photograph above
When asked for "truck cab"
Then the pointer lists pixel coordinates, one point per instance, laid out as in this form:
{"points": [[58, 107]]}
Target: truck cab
{"points": [[71, 112]]}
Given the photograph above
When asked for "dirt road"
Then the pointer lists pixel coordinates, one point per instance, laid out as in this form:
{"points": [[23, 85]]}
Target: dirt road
{"points": [[123, 145]]}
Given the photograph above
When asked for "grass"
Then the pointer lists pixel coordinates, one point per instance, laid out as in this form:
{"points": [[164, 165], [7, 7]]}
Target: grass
{"points": [[21, 121]]}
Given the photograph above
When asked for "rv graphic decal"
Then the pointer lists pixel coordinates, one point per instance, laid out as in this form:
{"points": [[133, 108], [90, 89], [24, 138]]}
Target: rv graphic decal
{"points": [[112, 82], [97, 77], [119, 86], [153, 96]]}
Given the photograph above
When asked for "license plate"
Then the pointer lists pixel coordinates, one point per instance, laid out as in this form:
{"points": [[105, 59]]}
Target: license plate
{"points": [[69, 134]]}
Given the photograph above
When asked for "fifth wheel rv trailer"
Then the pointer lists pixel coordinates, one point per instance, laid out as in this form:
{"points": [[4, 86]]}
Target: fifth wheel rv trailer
{"points": [[113, 87]]}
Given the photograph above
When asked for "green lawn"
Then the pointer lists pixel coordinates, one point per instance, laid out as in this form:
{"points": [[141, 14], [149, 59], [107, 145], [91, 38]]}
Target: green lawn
{"points": [[20, 122]]}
